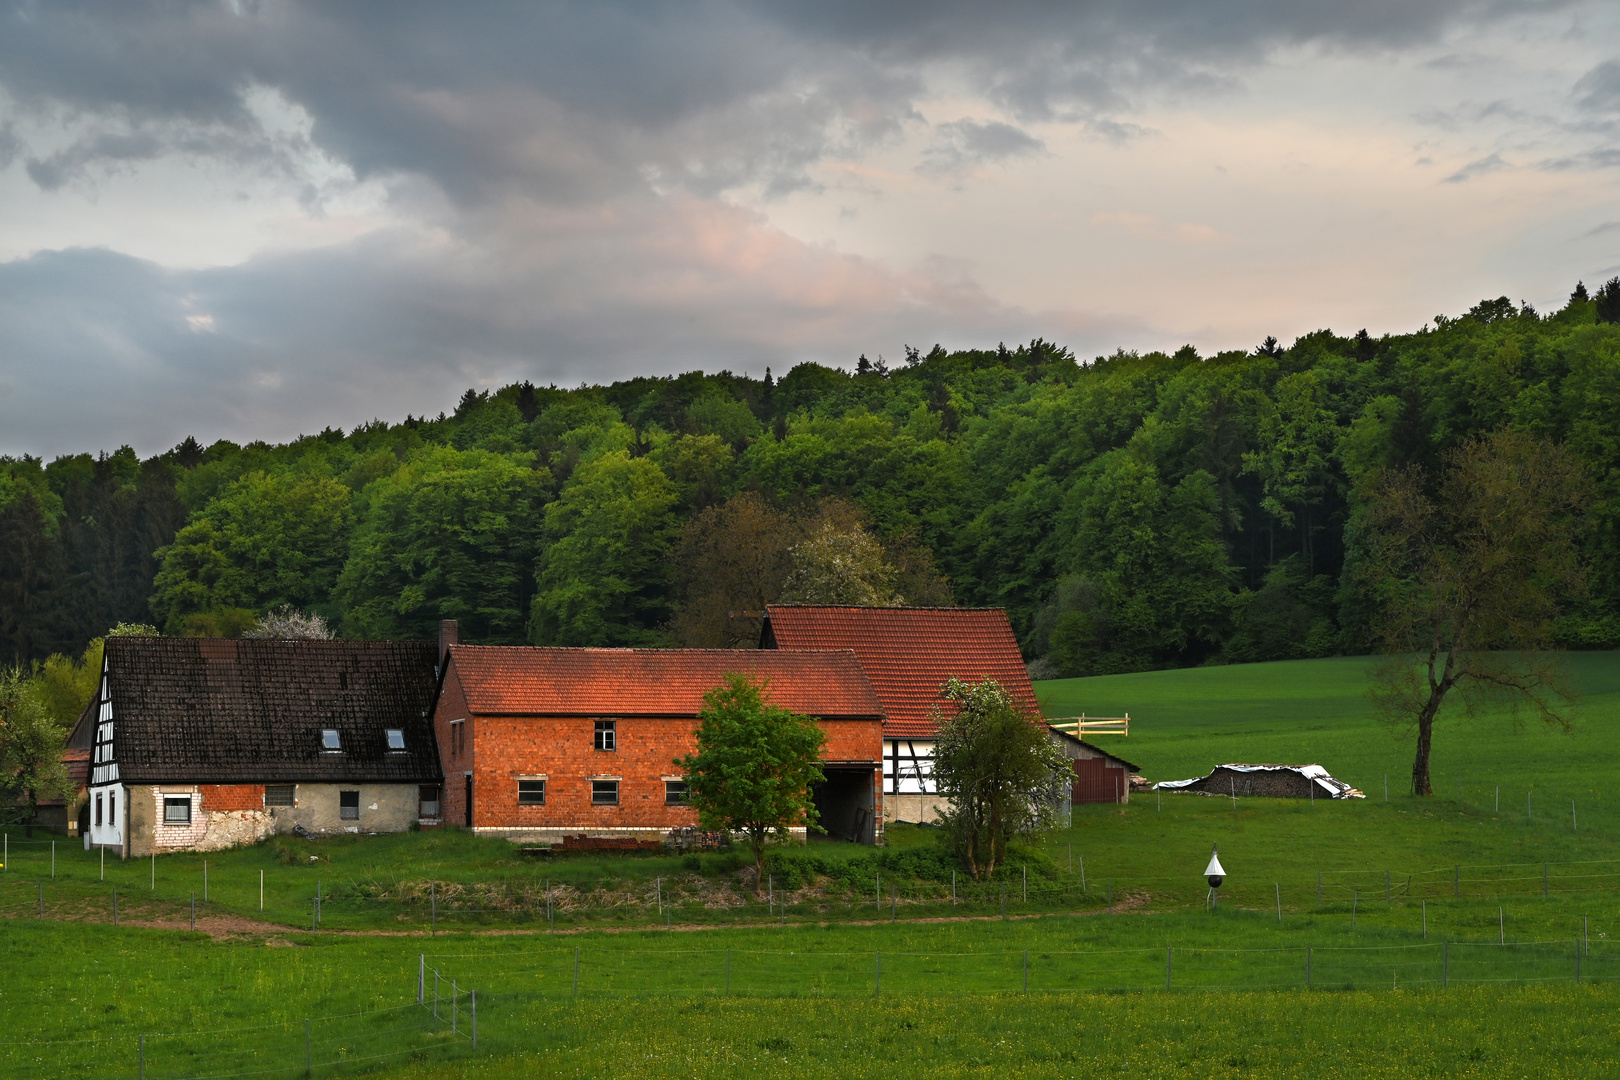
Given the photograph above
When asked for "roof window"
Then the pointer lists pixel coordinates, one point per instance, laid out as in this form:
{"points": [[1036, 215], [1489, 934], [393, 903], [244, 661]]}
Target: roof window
{"points": [[330, 740], [396, 738]]}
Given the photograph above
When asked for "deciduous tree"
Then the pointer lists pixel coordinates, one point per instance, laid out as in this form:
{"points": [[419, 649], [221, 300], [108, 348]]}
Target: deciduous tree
{"points": [[1467, 569], [1000, 771], [754, 766]]}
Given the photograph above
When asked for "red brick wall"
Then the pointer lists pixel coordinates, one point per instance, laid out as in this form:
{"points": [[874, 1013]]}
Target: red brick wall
{"points": [[853, 740], [452, 705], [232, 796]]}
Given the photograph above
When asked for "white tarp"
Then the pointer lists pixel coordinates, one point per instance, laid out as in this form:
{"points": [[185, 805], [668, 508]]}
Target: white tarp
{"points": [[1325, 784]]}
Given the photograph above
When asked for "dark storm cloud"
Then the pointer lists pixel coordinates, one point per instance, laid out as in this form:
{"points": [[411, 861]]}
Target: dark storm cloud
{"points": [[1599, 89], [567, 100], [964, 144]]}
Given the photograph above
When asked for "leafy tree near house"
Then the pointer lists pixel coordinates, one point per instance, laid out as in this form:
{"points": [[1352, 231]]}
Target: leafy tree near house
{"points": [[1000, 772], [31, 769], [754, 766]]}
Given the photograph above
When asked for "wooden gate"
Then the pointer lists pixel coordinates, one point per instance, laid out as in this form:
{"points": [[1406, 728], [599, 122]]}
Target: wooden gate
{"points": [[1095, 781]]}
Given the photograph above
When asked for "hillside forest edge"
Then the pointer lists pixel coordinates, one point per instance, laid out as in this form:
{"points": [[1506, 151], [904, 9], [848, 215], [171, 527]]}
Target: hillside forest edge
{"points": [[1132, 513]]}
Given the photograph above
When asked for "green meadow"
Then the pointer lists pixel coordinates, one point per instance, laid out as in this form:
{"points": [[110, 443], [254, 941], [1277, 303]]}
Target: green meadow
{"points": [[1384, 938]]}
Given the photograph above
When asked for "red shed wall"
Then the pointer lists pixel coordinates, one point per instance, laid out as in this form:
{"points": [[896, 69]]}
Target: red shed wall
{"points": [[452, 706]]}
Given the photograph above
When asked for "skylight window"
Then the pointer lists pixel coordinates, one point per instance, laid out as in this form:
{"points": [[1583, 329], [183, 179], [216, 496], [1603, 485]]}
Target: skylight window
{"points": [[396, 739], [330, 740]]}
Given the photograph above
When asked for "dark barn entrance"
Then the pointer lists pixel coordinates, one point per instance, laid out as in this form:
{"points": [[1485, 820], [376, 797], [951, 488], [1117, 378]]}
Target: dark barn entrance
{"points": [[1099, 780], [844, 802]]}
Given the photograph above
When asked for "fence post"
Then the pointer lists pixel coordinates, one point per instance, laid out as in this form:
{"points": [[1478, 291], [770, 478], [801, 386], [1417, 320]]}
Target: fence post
{"points": [[894, 902], [1307, 967], [1386, 787], [953, 888], [1425, 920], [154, 869], [115, 905], [1501, 927], [143, 1057], [576, 971], [421, 976], [1168, 959], [1456, 881], [433, 907], [1577, 962], [1574, 825], [1355, 898], [1543, 879], [877, 985], [1527, 814], [317, 901], [475, 1018], [1498, 798], [877, 891], [1279, 902], [309, 1062], [205, 881], [436, 993], [454, 1008], [42, 899], [1026, 884], [1585, 944], [1082, 874], [1387, 898], [1026, 971], [728, 972], [194, 909], [261, 890], [1445, 964], [53, 846], [1110, 896], [103, 864], [1004, 900], [1319, 888]]}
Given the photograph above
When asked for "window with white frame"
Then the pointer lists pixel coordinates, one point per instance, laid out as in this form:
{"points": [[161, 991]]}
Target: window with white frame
{"points": [[531, 793], [176, 809], [396, 739], [331, 742], [607, 734]]}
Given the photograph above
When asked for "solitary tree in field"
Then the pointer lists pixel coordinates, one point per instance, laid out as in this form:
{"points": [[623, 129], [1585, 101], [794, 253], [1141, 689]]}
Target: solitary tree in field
{"points": [[999, 770], [1467, 569], [754, 766]]}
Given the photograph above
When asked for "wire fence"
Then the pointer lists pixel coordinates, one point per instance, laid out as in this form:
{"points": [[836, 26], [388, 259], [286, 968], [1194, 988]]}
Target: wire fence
{"points": [[440, 1023], [152, 891], [584, 972]]}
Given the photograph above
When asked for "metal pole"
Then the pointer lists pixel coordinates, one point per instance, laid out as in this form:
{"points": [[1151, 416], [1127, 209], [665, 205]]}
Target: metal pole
{"points": [[1445, 964], [115, 905], [317, 901], [1501, 927], [154, 869], [728, 972], [1307, 967], [1425, 920], [433, 907], [42, 899], [53, 846], [1159, 797], [1543, 879], [475, 1018], [1585, 944], [576, 971], [421, 976], [1527, 806], [143, 1057], [1003, 899], [454, 1008], [953, 888], [1355, 898], [1386, 887], [1456, 881], [1498, 798], [1026, 971], [1319, 888], [1577, 961], [436, 993], [658, 883], [1279, 902], [1082, 873], [1386, 787], [205, 881], [103, 864], [1110, 896], [1233, 781], [1574, 822], [261, 890], [894, 902], [877, 985], [309, 1064], [1026, 883], [1071, 858], [194, 909], [1167, 965]]}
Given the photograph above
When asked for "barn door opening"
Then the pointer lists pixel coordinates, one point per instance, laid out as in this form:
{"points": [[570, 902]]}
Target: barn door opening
{"points": [[845, 804], [469, 801]]}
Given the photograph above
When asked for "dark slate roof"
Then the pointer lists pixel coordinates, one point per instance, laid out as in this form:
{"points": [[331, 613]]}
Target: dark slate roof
{"points": [[203, 710]]}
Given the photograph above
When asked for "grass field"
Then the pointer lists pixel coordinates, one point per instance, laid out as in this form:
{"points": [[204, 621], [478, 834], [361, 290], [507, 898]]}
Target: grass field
{"points": [[1414, 894]]}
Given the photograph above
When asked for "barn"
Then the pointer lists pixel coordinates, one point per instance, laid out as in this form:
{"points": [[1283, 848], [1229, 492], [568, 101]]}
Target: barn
{"points": [[1099, 777], [540, 744], [908, 653], [1266, 781]]}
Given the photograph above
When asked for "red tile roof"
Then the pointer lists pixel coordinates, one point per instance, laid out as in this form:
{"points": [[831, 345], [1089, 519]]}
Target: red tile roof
{"points": [[909, 653], [528, 681]]}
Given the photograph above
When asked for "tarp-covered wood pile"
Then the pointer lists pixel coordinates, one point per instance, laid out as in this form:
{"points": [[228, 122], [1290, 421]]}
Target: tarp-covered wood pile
{"points": [[1266, 781]]}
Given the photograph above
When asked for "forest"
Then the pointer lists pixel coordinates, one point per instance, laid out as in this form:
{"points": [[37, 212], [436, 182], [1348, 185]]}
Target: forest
{"points": [[1134, 512]]}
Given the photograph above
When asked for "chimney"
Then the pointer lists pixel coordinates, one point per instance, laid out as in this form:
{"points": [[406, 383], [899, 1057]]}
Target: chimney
{"points": [[449, 634]]}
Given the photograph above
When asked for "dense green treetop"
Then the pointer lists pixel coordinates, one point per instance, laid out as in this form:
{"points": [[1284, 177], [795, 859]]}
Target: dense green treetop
{"points": [[1135, 511]]}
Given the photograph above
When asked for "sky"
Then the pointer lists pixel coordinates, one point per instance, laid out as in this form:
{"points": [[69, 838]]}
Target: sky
{"points": [[254, 220]]}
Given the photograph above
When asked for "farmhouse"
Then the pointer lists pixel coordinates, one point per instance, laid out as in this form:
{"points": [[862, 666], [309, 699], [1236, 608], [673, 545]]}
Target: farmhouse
{"points": [[202, 743], [1267, 781], [542, 743], [908, 654]]}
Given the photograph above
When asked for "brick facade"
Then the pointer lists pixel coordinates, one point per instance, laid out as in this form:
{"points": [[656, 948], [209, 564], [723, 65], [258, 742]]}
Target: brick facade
{"points": [[232, 796], [501, 750]]}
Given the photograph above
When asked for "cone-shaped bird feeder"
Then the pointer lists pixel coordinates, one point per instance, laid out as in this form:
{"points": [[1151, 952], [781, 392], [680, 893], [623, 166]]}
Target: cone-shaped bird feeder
{"points": [[1214, 873]]}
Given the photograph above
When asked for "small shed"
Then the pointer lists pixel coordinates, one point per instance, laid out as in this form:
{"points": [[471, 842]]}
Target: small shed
{"points": [[1266, 781], [1099, 777]]}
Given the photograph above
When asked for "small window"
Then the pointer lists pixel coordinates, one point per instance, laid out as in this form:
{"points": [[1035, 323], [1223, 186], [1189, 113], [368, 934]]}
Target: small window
{"points": [[112, 809], [604, 793], [177, 810], [428, 798], [396, 739], [280, 794], [349, 805], [330, 740], [675, 793], [98, 809], [531, 793], [458, 738], [607, 736]]}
